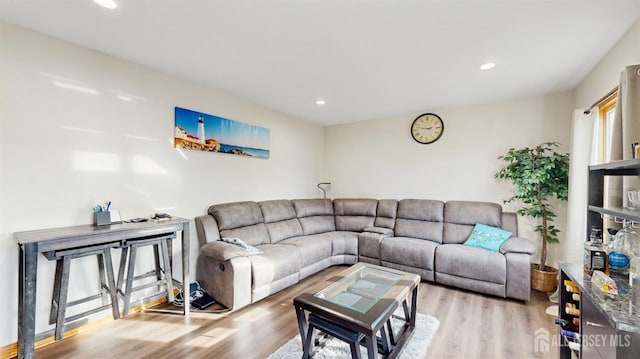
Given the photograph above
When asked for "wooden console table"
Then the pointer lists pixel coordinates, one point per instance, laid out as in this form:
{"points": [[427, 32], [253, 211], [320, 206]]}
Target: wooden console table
{"points": [[39, 241]]}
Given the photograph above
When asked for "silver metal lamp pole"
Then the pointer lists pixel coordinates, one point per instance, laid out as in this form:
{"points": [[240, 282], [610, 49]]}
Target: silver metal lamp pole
{"points": [[324, 187]]}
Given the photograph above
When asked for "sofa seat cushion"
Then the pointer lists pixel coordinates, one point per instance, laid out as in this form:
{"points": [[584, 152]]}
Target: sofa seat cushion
{"points": [[284, 229], [413, 252], [471, 262], [240, 243], [253, 235], [312, 249], [277, 261], [342, 242]]}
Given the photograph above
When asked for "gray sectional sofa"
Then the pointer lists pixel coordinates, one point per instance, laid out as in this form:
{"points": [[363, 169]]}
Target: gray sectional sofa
{"points": [[304, 236]]}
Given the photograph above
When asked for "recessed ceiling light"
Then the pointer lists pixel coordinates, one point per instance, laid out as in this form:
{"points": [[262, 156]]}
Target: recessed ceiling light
{"points": [[109, 4], [487, 66], [320, 102]]}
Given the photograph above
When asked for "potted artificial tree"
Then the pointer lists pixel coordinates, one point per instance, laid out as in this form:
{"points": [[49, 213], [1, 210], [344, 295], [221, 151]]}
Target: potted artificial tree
{"points": [[539, 174]]}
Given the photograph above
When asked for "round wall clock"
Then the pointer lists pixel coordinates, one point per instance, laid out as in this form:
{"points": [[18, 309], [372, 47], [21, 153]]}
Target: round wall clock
{"points": [[427, 128]]}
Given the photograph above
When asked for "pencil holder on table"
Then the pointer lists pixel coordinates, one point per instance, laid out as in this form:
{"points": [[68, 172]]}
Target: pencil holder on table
{"points": [[101, 218]]}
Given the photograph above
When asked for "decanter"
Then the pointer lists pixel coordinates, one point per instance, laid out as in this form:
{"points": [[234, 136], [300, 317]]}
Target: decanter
{"points": [[634, 281], [623, 249], [634, 277]]}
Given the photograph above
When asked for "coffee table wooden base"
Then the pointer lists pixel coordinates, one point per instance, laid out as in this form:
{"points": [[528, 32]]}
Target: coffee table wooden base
{"points": [[388, 345]]}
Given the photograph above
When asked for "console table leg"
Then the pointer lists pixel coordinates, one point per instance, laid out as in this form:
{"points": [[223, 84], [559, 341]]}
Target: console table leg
{"points": [[62, 297], [185, 268], [111, 283], [55, 298], [27, 299], [103, 278], [167, 270]]}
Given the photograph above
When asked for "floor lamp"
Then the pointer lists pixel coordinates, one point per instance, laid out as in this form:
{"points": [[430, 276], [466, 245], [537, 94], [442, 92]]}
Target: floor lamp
{"points": [[324, 187]]}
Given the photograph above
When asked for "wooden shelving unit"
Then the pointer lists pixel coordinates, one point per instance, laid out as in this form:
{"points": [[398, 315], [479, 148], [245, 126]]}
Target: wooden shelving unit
{"points": [[599, 316], [596, 210]]}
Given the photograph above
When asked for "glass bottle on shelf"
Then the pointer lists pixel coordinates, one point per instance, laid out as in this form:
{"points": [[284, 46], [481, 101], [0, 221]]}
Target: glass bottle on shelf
{"points": [[634, 276], [623, 249], [612, 238], [595, 237], [634, 282], [595, 254]]}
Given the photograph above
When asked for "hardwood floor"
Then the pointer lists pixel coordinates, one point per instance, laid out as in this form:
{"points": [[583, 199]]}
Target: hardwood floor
{"points": [[471, 326]]}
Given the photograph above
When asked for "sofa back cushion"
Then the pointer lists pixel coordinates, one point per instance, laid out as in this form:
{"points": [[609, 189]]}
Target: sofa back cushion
{"points": [[461, 216], [354, 214], [280, 220], [315, 215], [386, 213], [242, 220], [420, 218]]}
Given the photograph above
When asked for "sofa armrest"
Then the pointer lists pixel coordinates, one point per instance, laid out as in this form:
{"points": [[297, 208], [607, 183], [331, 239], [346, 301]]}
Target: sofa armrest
{"points": [[222, 251], [379, 230], [229, 282], [518, 284], [517, 245], [207, 229]]}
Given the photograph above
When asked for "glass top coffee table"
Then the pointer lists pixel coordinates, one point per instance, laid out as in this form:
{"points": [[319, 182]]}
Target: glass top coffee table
{"points": [[358, 304]]}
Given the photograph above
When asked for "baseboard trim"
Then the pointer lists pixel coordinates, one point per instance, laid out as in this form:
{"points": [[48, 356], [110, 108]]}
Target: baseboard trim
{"points": [[11, 350]]}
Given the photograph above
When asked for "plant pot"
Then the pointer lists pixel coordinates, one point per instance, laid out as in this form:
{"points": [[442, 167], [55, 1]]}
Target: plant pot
{"points": [[543, 281]]}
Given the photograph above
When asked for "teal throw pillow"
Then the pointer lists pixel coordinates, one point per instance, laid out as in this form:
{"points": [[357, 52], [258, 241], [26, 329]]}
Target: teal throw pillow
{"points": [[487, 237]]}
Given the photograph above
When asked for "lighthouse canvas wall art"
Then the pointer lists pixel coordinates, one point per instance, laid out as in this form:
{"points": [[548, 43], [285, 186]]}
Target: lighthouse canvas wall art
{"points": [[202, 132]]}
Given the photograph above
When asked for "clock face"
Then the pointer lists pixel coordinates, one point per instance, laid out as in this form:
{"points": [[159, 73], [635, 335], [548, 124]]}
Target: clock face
{"points": [[427, 128]]}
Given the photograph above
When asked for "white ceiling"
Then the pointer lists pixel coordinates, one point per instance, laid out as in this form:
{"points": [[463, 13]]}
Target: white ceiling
{"points": [[367, 59]]}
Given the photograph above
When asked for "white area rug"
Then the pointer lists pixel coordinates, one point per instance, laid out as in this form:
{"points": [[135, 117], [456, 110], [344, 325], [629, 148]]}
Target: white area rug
{"points": [[426, 327]]}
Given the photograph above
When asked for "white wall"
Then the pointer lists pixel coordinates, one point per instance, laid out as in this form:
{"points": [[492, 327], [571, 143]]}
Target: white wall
{"points": [[62, 151], [604, 77], [379, 158]]}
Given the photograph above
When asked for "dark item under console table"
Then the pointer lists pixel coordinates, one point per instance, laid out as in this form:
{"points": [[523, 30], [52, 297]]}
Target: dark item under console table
{"points": [[47, 240], [607, 327]]}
